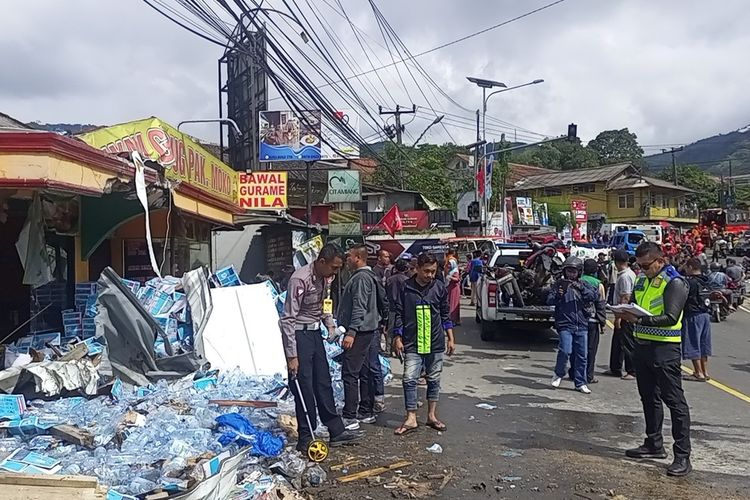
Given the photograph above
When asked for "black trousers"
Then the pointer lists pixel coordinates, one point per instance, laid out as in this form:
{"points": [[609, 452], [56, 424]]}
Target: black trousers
{"points": [[623, 345], [657, 366], [592, 345], [351, 370], [315, 382]]}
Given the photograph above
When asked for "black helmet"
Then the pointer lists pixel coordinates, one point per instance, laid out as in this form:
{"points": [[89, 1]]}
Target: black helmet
{"points": [[575, 263], [715, 266]]}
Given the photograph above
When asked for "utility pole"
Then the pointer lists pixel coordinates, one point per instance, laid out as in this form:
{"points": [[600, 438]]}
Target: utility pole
{"points": [[399, 129], [672, 151]]}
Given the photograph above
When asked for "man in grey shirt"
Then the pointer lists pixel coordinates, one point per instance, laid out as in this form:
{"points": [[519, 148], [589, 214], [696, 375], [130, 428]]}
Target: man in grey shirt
{"points": [[735, 271], [309, 288], [358, 314], [623, 344]]}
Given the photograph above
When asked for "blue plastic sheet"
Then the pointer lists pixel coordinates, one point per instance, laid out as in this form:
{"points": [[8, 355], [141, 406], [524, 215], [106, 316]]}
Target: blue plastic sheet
{"points": [[244, 433]]}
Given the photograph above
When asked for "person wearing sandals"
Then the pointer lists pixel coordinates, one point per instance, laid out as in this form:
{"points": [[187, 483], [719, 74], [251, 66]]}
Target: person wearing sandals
{"points": [[422, 325], [696, 325]]}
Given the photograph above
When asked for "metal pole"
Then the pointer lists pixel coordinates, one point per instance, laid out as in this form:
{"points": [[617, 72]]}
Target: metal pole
{"points": [[483, 215], [308, 197]]}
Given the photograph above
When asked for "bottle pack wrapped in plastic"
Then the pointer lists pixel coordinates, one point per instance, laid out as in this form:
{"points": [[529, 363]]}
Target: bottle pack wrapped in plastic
{"points": [[145, 436]]}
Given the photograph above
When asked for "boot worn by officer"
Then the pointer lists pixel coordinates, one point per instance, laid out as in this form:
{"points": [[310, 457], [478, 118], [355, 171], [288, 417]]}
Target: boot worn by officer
{"points": [[346, 437], [646, 452], [680, 467]]}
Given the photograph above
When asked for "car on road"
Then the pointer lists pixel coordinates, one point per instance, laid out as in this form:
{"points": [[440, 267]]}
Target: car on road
{"points": [[511, 292], [627, 240]]}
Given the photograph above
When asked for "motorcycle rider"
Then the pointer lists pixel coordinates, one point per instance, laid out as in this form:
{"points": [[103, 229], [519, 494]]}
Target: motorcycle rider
{"points": [[718, 280], [735, 271], [574, 300]]}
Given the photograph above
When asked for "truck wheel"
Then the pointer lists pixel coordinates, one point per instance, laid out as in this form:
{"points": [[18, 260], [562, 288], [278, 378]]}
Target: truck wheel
{"points": [[488, 331]]}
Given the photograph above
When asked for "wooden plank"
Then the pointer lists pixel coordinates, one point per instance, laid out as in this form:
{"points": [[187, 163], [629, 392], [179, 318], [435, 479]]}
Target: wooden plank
{"points": [[72, 434], [373, 472], [79, 351], [48, 480]]}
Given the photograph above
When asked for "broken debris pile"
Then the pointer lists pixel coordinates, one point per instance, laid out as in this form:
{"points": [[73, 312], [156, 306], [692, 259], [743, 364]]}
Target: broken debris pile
{"points": [[168, 436]]}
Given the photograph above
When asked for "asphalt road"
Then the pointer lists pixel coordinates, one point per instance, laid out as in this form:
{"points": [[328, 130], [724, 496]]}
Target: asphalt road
{"points": [[542, 442]]}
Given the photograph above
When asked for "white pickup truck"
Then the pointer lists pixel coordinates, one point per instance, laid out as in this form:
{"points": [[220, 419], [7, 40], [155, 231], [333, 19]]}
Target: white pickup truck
{"points": [[511, 291]]}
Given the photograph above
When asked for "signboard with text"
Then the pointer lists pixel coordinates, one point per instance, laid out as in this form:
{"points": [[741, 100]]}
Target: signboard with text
{"points": [[579, 208], [183, 158], [411, 220], [344, 222], [343, 186], [265, 190], [337, 145]]}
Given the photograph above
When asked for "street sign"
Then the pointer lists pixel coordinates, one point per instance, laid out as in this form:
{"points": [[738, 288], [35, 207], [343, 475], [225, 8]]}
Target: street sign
{"points": [[343, 186], [263, 190]]}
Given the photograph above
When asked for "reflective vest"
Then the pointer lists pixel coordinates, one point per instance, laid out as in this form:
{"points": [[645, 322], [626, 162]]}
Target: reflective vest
{"points": [[649, 294]]}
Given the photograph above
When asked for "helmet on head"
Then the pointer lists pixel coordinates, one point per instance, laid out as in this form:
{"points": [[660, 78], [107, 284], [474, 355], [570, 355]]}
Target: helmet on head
{"points": [[575, 263], [714, 266]]}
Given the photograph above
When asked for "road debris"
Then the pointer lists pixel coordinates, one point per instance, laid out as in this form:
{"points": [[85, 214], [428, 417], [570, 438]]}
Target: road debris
{"points": [[373, 472], [435, 448], [485, 406]]}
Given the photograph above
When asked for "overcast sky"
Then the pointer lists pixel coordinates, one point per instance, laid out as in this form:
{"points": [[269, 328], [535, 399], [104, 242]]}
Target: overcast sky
{"points": [[672, 71]]}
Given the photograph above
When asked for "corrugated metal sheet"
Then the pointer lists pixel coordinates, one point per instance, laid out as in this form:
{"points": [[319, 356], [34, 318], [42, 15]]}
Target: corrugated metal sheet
{"points": [[570, 177], [635, 181], [10, 122]]}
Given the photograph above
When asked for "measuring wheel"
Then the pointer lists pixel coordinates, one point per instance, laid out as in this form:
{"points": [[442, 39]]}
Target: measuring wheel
{"points": [[317, 450]]}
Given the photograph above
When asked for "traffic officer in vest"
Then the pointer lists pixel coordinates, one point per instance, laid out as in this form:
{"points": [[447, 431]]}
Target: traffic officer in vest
{"points": [[662, 292], [308, 302]]}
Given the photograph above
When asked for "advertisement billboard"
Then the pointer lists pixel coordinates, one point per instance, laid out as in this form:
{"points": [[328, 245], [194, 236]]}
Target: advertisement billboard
{"points": [[265, 190], [335, 144], [286, 136], [580, 210]]}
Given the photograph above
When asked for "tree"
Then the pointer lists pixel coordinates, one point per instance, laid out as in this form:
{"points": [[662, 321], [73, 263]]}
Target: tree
{"points": [[558, 155], [692, 177], [423, 169], [559, 220], [615, 146]]}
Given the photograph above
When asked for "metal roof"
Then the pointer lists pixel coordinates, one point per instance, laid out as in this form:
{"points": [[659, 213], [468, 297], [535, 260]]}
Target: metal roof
{"points": [[571, 177], [637, 181], [7, 121]]}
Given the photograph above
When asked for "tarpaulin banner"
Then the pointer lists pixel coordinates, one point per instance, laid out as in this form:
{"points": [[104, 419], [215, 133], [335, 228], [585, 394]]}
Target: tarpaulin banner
{"points": [[184, 159], [263, 190]]}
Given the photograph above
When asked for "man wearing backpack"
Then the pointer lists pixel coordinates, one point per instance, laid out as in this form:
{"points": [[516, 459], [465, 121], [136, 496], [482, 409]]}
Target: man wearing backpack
{"points": [[362, 311]]}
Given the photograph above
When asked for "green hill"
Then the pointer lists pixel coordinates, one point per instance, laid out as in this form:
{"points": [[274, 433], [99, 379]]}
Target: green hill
{"points": [[712, 154]]}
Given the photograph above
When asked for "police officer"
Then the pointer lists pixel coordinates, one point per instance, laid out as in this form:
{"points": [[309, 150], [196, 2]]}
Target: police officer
{"points": [[662, 292], [308, 302]]}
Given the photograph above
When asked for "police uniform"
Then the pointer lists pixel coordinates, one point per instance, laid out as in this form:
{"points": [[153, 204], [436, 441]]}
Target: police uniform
{"points": [[657, 358], [308, 303]]}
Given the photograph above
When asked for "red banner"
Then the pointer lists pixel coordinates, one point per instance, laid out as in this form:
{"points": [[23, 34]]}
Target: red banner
{"points": [[410, 220]]}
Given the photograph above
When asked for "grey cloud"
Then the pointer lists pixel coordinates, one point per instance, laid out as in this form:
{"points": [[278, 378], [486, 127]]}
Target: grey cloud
{"points": [[671, 71]]}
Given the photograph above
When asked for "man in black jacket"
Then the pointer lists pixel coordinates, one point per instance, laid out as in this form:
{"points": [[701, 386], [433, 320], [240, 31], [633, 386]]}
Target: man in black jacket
{"points": [[359, 315], [421, 325]]}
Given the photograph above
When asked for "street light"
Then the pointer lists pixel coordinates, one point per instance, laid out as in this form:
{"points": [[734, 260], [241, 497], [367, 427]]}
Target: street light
{"points": [[437, 120], [484, 85]]}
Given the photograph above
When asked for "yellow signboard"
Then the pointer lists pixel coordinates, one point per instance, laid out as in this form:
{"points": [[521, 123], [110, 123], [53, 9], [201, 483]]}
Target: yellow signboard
{"points": [[184, 159], [263, 190]]}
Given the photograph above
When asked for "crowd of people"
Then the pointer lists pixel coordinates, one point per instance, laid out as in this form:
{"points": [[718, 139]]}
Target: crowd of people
{"points": [[416, 302]]}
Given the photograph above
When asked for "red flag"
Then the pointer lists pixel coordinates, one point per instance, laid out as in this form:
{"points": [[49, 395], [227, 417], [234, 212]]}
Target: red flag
{"points": [[480, 177], [391, 221]]}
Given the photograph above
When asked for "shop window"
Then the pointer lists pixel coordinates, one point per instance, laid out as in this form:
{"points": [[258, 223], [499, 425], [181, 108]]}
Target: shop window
{"points": [[583, 188], [552, 191], [626, 200]]}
